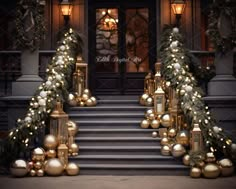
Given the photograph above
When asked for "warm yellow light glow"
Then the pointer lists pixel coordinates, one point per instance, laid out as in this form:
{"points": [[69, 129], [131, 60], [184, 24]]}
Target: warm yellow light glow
{"points": [[178, 6], [66, 8]]}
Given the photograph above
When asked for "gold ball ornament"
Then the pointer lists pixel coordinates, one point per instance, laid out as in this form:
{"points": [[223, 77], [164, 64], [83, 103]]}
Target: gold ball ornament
{"points": [[81, 103], [186, 159], [200, 164], [38, 154], [178, 150], [72, 128], [154, 134], [31, 164], [72, 100], [54, 167], [72, 169], [171, 133], [143, 98], [183, 137], [19, 168], [50, 142], [148, 112], [38, 165], [180, 78], [94, 100], [51, 154], [210, 157], [149, 101], [151, 116], [165, 150], [165, 120], [211, 170], [89, 102], [195, 172], [74, 149], [182, 92], [226, 167], [32, 173], [155, 124], [40, 173], [87, 92], [85, 97], [145, 124], [164, 141]]}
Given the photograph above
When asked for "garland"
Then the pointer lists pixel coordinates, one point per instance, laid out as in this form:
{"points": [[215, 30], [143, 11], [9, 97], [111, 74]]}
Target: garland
{"points": [[30, 24], [177, 72], [59, 73], [222, 25]]}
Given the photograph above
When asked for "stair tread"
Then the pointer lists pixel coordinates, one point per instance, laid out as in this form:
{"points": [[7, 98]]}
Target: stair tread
{"points": [[118, 138], [117, 130], [105, 114], [120, 147], [122, 157], [109, 106], [108, 121]]}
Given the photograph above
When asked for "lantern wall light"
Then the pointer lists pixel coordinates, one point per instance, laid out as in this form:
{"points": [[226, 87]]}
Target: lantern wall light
{"points": [[66, 9], [178, 7]]}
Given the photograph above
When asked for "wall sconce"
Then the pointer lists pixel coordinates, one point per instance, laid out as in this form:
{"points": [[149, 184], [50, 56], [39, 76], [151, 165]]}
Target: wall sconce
{"points": [[66, 9], [178, 7]]}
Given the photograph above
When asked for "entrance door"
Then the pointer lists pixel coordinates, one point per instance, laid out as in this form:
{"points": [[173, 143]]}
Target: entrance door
{"points": [[122, 45]]}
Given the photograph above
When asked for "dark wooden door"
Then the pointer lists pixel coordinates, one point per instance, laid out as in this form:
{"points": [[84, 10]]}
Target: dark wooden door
{"points": [[122, 45]]}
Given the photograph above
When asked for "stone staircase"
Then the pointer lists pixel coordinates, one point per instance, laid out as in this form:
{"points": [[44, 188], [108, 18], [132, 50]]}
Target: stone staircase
{"points": [[111, 141]]}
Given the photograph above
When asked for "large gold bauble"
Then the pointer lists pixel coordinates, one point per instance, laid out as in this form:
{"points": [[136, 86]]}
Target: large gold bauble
{"points": [[51, 153], [72, 169], [94, 100], [178, 150], [38, 165], [211, 170], [32, 173], [145, 124], [72, 128], [195, 172], [164, 141], [85, 97], [50, 142], [148, 112], [149, 101], [19, 168], [165, 120], [154, 134], [151, 116], [210, 157], [72, 100], [143, 98], [38, 154], [155, 124], [40, 173], [54, 167], [183, 137], [87, 92], [165, 150], [74, 148], [186, 159], [226, 167], [89, 102], [172, 133]]}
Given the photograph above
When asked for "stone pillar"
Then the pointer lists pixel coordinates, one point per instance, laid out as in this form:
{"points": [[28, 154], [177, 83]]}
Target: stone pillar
{"points": [[222, 92], [29, 81]]}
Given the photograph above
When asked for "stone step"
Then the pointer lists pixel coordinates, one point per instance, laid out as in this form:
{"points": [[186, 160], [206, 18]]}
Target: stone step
{"points": [[124, 159], [135, 169], [104, 115], [117, 141], [117, 101], [119, 150]]}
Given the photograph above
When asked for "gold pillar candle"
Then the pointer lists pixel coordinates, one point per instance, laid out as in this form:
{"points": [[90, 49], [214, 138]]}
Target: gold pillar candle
{"points": [[62, 153], [196, 138], [78, 82]]}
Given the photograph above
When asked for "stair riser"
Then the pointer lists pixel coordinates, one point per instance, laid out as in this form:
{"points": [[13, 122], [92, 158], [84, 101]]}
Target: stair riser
{"points": [[107, 109], [117, 143], [86, 116], [114, 134], [119, 152], [110, 124]]}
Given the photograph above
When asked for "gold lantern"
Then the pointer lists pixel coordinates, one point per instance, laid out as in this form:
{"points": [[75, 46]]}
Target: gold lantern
{"points": [[159, 101], [78, 82], [83, 67], [58, 127], [62, 153], [157, 77], [196, 138], [148, 84]]}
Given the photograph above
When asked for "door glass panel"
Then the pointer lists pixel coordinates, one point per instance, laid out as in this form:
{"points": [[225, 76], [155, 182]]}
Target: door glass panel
{"points": [[137, 41], [106, 40]]}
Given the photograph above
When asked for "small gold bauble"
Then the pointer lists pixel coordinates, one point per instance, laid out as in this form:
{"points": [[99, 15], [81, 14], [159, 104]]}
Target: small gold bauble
{"points": [[148, 112], [211, 170], [31, 164], [180, 78], [72, 128], [72, 169], [171, 133], [186, 160], [155, 124], [94, 100], [32, 173], [50, 142], [183, 137], [200, 164], [40, 173], [38, 165], [195, 172], [51, 153], [81, 103], [38, 154], [143, 98], [145, 124], [178, 150], [210, 157], [165, 120], [164, 141], [182, 92], [149, 101], [85, 97], [87, 92], [74, 148], [151, 116], [54, 167], [89, 102], [165, 134], [165, 150], [19, 168], [154, 134], [226, 167], [72, 100]]}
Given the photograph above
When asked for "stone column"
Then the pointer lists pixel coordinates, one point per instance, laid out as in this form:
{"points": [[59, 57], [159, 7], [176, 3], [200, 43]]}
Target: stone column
{"points": [[29, 81]]}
